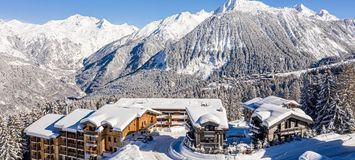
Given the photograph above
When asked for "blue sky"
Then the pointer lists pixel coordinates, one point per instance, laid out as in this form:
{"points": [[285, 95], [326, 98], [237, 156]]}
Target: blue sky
{"points": [[140, 12]]}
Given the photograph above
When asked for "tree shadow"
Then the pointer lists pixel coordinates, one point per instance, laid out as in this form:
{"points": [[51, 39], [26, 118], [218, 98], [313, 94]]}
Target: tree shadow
{"points": [[337, 148]]}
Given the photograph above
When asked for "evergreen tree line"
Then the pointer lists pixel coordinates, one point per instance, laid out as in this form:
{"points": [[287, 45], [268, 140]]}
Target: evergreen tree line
{"points": [[328, 97]]}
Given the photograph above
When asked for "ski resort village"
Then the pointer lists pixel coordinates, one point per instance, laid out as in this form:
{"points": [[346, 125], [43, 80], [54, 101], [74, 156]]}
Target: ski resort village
{"points": [[167, 128], [177, 80]]}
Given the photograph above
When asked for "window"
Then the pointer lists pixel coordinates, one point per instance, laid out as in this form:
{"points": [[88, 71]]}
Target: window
{"points": [[296, 123], [109, 139], [151, 119], [114, 140], [286, 124]]}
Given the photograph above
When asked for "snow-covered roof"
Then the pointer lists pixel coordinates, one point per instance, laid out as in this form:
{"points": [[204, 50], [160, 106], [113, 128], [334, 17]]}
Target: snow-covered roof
{"points": [[214, 113], [44, 127], [271, 114], [168, 103], [278, 101], [71, 122], [117, 116]]}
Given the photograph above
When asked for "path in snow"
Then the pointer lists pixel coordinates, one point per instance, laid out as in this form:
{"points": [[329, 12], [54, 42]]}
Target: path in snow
{"points": [[158, 148]]}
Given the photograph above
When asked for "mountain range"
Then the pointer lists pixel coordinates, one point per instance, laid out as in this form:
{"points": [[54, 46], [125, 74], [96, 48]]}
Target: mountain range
{"points": [[80, 55]]}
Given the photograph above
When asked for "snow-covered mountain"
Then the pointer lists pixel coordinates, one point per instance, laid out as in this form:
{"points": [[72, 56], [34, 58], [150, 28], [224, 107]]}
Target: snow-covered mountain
{"points": [[241, 37], [38, 61], [59, 43], [247, 37], [126, 55]]}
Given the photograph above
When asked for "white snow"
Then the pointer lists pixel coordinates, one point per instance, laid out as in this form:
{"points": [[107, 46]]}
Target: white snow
{"points": [[242, 5], [304, 10], [168, 103], [173, 27], [44, 127], [158, 149], [71, 122], [271, 109], [271, 114], [117, 116], [338, 147], [214, 113], [277, 101], [253, 6], [310, 155], [18, 63], [129, 152], [88, 34], [326, 16]]}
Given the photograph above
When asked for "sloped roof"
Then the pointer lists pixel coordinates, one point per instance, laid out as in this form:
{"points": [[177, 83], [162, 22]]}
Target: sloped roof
{"points": [[168, 103], [205, 113], [44, 127], [278, 101], [71, 122], [271, 114], [117, 116]]}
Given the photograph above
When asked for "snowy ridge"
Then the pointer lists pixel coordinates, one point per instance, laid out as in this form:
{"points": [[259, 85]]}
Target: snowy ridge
{"points": [[173, 27], [131, 52], [67, 40], [241, 5], [253, 6]]}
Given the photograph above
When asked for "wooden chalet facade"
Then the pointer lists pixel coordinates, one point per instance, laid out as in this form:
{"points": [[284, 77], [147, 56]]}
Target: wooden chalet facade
{"points": [[173, 110], [100, 140], [274, 120], [206, 128], [44, 138], [86, 134]]}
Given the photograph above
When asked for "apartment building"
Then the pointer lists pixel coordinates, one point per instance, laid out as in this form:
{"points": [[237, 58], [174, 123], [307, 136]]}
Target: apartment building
{"points": [[107, 128], [87, 134], [173, 109], [43, 137]]}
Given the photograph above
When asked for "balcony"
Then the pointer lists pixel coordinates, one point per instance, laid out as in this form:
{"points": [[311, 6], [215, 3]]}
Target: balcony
{"points": [[36, 156], [81, 137], [49, 150], [62, 151], [179, 116], [35, 140], [81, 146], [72, 153], [91, 133], [35, 146], [288, 131], [48, 142]]}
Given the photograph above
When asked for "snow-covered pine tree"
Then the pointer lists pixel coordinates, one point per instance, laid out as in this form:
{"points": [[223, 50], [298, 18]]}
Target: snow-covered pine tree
{"points": [[348, 121], [331, 115], [309, 95]]}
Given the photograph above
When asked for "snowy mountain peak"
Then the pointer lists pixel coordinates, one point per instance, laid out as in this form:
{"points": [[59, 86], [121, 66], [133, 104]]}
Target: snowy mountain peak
{"points": [[103, 23], [325, 15], [304, 10], [173, 27], [241, 5]]}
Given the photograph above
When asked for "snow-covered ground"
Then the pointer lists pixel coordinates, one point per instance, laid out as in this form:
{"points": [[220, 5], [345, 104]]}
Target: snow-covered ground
{"points": [[333, 146], [158, 149]]}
